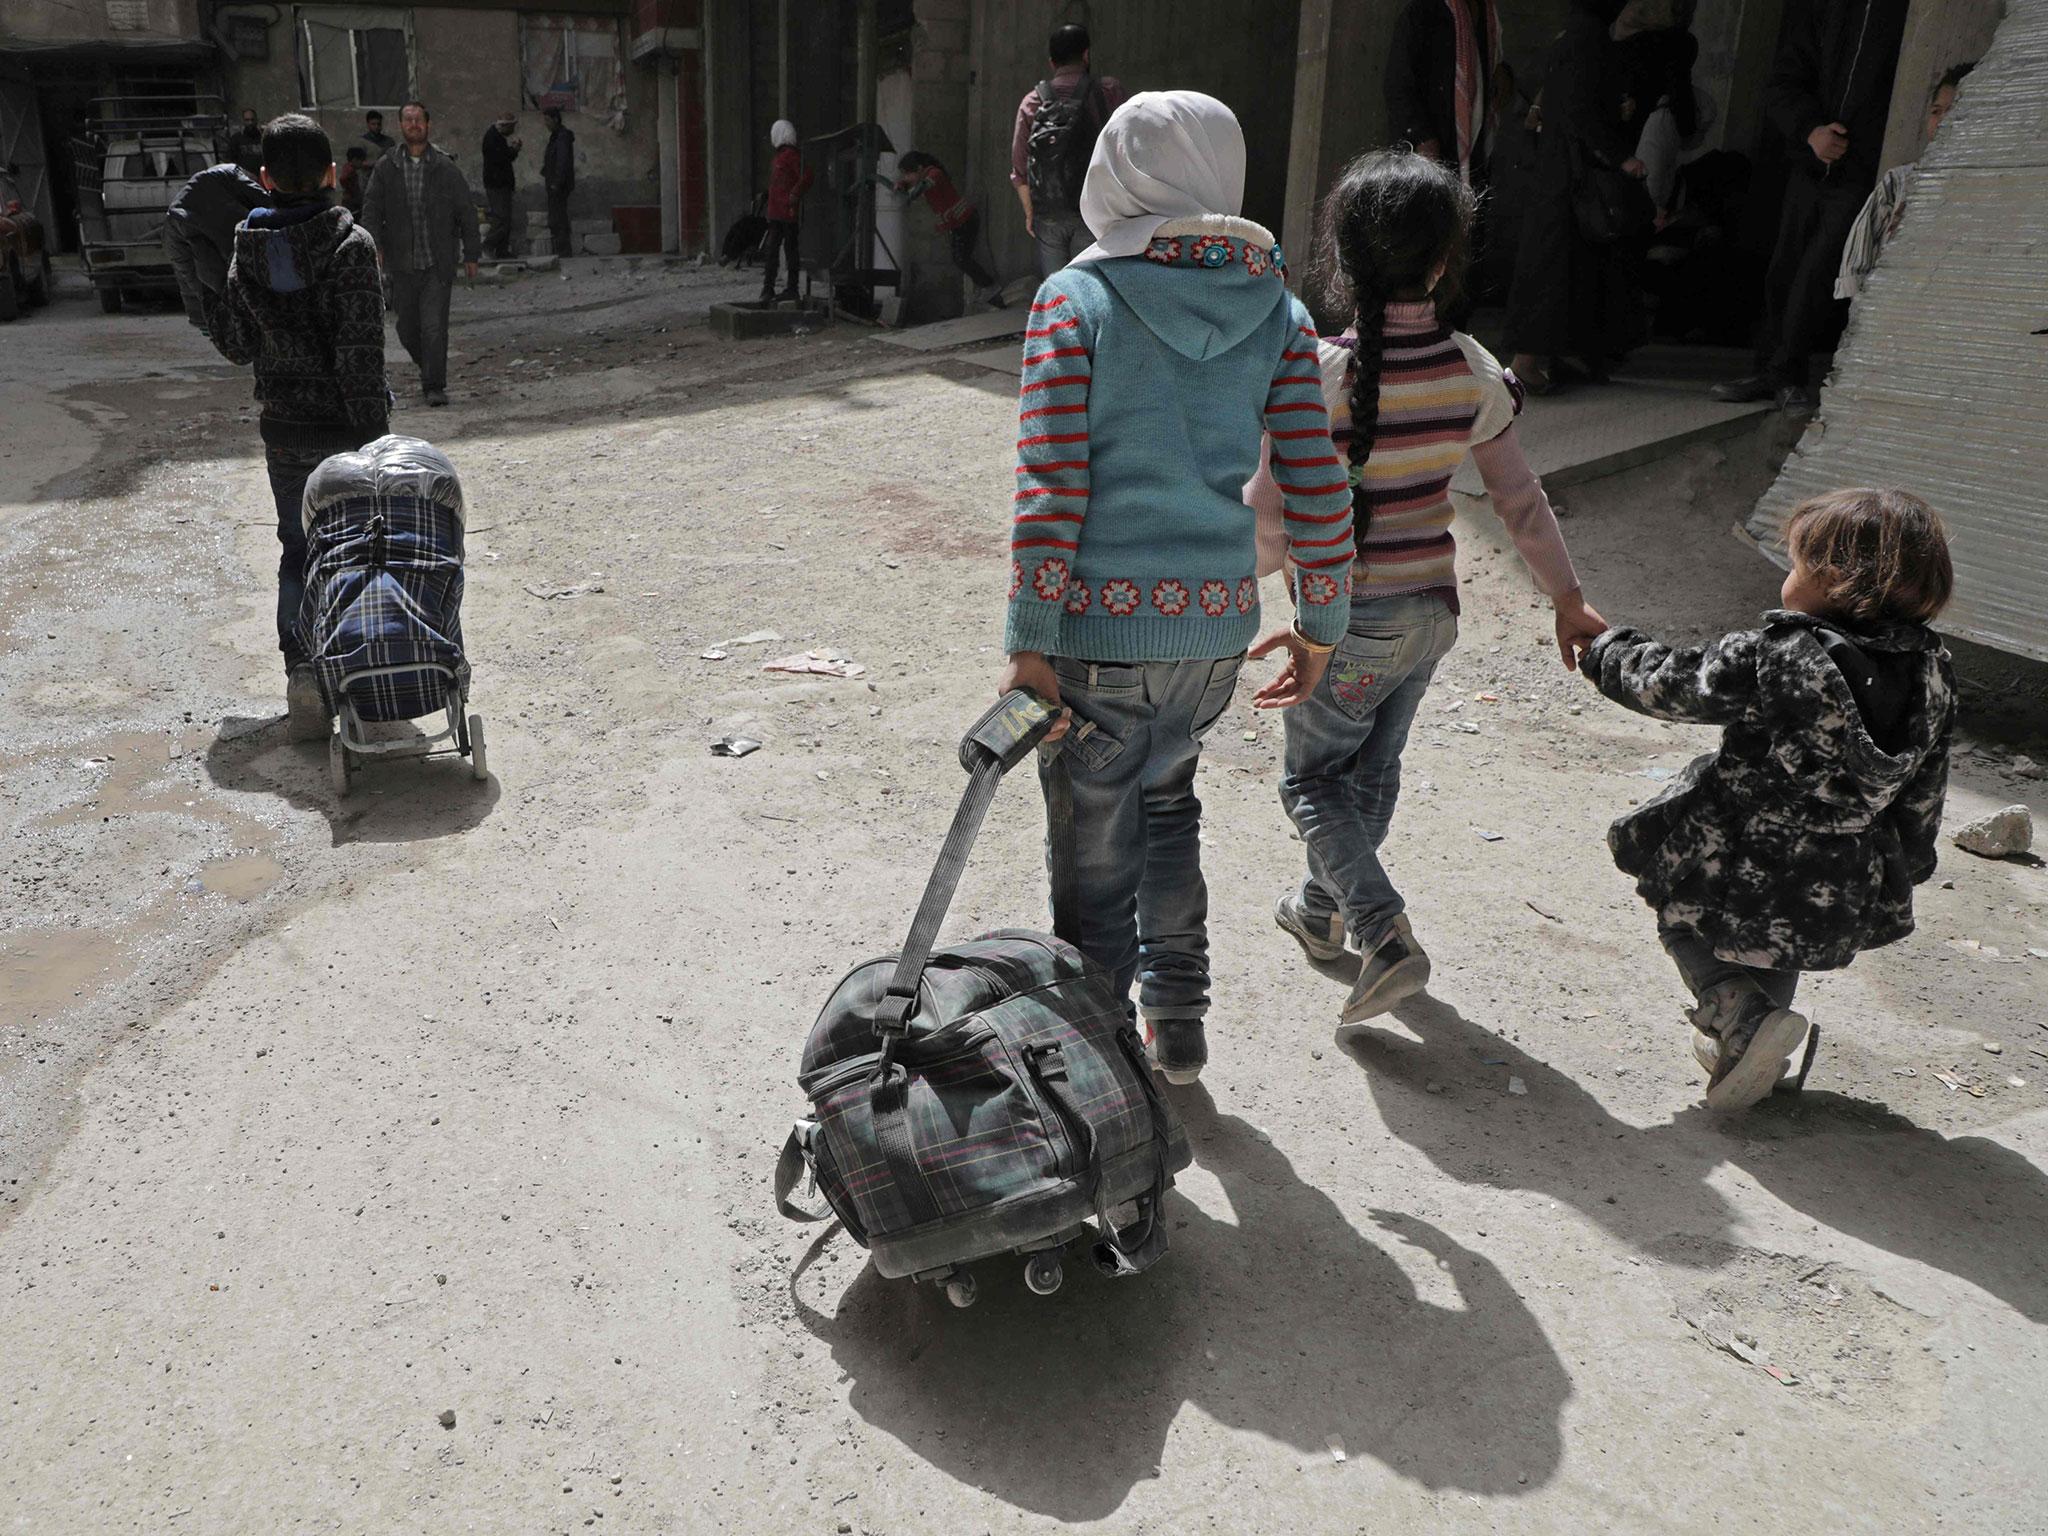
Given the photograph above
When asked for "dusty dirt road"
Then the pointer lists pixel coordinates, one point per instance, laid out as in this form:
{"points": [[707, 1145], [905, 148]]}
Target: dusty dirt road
{"points": [[318, 1119]]}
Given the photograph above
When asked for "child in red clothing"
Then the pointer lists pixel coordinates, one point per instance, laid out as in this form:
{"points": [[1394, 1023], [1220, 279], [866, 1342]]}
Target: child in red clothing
{"points": [[919, 175], [788, 180]]}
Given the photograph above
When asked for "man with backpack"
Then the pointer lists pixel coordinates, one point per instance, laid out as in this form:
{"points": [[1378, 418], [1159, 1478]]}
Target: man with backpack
{"points": [[1058, 122]]}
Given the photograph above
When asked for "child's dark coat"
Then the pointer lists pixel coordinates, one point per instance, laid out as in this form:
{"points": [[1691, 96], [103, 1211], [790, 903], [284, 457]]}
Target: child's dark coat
{"points": [[1799, 843]]}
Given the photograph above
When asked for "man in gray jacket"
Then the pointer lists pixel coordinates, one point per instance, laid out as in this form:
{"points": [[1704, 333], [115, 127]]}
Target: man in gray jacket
{"points": [[420, 209]]}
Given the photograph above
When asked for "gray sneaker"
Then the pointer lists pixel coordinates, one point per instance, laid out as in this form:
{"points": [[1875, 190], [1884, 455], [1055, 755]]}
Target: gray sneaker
{"points": [[1177, 1048], [1396, 969], [305, 708], [1319, 941], [1750, 1057]]}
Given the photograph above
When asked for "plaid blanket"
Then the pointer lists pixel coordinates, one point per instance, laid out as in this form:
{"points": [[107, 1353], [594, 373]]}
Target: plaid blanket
{"points": [[384, 578]]}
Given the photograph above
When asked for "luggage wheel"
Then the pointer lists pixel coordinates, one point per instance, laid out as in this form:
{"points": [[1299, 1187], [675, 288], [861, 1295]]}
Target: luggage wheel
{"points": [[1042, 1272], [961, 1289]]}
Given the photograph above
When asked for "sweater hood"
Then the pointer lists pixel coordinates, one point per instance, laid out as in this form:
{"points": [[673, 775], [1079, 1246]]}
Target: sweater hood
{"points": [[1203, 284], [286, 249], [1793, 664]]}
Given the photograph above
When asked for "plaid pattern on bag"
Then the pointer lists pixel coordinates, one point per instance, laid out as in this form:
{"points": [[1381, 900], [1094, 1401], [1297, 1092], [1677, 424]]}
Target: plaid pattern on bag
{"points": [[1014, 1039], [384, 580]]}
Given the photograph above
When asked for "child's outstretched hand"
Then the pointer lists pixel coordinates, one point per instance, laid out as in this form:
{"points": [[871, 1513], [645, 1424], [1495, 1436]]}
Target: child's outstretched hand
{"points": [[1298, 677], [1030, 669], [1578, 626]]}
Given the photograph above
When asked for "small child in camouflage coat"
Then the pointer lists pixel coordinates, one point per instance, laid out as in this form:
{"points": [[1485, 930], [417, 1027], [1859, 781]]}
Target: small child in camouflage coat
{"points": [[1797, 844]]}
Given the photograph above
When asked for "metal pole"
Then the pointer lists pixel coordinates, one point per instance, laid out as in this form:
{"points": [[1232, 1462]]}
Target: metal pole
{"points": [[868, 44]]}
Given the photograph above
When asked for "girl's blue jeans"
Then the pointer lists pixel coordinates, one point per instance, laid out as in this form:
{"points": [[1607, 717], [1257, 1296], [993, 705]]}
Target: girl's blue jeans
{"points": [[1132, 753], [1344, 746]]}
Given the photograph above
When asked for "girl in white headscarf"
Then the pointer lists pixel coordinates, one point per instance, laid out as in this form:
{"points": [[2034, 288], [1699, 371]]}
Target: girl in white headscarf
{"points": [[1152, 365], [788, 179]]}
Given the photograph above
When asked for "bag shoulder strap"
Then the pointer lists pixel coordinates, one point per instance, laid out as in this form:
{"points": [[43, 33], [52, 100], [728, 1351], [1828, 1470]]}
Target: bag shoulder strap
{"points": [[999, 740]]}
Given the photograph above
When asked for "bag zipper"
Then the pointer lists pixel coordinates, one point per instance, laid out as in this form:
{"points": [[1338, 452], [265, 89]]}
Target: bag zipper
{"points": [[864, 1066]]}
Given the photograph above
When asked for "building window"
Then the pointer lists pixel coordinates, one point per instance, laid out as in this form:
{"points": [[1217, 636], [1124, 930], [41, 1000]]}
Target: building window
{"points": [[355, 56], [576, 63]]}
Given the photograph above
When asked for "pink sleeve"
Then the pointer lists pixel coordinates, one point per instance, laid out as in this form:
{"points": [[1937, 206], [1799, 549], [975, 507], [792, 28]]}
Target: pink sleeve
{"points": [[1020, 138], [1262, 495], [1519, 502]]}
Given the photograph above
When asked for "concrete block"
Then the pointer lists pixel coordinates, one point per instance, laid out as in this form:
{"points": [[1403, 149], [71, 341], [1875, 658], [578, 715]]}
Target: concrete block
{"points": [[744, 322], [606, 244]]}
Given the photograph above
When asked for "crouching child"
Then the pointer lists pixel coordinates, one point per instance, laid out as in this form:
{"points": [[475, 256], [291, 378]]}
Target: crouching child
{"points": [[1797, 845]]}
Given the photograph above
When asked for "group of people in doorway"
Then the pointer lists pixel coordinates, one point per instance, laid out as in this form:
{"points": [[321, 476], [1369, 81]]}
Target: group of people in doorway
{"points": [[1167, 364]]}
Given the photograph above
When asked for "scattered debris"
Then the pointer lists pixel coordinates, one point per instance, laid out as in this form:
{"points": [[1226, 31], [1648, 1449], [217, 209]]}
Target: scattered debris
{"points": [[734, 746], [823, 663], [1491, 837], [1251, 735], [1541, 913], [550, 594], [1517, 1086], [1999, 835], [1994, 1047], [716, 653], [2025, 767], [1489, 698], [757, 637], [1336, 1448], [1470, 728]]}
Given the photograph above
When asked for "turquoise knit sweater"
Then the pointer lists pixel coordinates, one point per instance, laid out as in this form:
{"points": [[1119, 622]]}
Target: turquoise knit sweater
{"points": [[1148, 381]]}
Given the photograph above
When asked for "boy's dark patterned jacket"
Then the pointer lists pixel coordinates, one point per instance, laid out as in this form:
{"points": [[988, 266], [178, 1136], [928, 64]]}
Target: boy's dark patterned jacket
{"points": [[304, 303], [1799, 843]]}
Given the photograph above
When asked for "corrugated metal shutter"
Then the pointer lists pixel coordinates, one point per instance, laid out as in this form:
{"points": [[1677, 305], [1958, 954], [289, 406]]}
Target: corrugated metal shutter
{"points": [[1941, 382]]}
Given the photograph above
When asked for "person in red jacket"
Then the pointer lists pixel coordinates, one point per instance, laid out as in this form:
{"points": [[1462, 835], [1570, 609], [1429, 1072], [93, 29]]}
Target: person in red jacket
{"points": [[919, 175], [788, 180]]}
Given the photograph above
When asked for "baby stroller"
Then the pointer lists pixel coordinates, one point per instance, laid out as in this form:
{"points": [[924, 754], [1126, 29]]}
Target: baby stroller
{"points": [[382, 618]]}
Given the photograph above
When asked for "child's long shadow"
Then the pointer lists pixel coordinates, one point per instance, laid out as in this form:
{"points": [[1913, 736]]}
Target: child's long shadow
{"points": [[1967, 1206], [1286, 1321], [396, 800]]}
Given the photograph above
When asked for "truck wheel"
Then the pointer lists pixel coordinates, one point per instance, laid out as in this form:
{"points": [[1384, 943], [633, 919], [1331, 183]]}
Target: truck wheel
{"points": [[38, 287], [10, 301], [110, 300]]}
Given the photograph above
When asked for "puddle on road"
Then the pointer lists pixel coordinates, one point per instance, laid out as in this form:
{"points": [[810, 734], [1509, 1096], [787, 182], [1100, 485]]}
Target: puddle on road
{"points": [[243, 877], [42, 974]]}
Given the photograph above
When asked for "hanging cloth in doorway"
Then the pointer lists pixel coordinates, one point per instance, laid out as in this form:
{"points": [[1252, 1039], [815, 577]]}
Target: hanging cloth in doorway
{"points": [[1473, 66]]}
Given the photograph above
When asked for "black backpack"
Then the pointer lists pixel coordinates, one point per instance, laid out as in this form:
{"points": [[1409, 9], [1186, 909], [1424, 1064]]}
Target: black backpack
{"points": [[990, 1097], [1063, 135]]}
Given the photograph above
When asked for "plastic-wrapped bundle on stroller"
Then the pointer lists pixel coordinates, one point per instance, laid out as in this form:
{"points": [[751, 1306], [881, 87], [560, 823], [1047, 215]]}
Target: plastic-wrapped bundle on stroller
{"points": [[382, 618]]}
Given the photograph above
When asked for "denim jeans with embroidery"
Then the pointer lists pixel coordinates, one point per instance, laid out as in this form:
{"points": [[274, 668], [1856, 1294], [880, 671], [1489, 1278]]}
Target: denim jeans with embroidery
{"points": [[1132, 754], [1344, 744]]}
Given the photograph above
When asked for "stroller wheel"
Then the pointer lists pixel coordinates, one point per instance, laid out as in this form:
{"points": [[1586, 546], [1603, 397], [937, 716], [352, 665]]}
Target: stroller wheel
{"points": [[340, 772], [477, 767], [962, 1291], [1042, 1272]]}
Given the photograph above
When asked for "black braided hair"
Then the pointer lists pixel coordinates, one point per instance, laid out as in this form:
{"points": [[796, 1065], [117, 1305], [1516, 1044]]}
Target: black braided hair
{"points": [[1393, 218]]}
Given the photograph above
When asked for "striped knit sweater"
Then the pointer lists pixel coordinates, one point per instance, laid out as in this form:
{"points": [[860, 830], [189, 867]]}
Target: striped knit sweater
{"points": [[1441, 392], [1147, 383]]}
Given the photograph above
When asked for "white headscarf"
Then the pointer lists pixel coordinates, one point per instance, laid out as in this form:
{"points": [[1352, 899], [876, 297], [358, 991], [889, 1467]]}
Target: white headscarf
{"points": [[783, 134], [1162, 155]]}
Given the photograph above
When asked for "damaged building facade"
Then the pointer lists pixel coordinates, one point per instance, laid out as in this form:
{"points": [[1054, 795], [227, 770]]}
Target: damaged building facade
{"points": [[61, 66]]}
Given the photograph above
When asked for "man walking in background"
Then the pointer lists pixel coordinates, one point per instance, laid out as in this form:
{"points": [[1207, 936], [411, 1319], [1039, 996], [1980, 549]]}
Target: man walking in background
{"points": [[558, 175], [374, 134], [420, 209], [500, 186], [1058, 122], [1829, 93]]}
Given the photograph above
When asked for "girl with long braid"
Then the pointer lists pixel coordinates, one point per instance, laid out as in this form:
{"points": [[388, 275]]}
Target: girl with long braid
{"points": [[1409, 398]]}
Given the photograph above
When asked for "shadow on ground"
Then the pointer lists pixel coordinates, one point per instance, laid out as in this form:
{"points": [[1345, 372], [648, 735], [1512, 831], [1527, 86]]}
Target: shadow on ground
{"points": [[402, 800], [1966, 1206], [1285, 1321]]}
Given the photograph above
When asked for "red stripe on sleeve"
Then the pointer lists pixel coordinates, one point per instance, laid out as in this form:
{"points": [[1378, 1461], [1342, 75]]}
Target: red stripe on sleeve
{"points": [[1055, 465], [1317, 490], [1051, 437], [1068, 544], [1304, 405], [1081, 378], [1318, 517], [1048, 517], [1049, 490], [1052, 410], [1047, 330], [1325, 463], [1046, 357], [1040, 309]]}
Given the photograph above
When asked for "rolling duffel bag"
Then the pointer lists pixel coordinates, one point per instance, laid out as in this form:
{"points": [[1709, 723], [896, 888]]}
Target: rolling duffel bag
{"points": [[990, 1097]]}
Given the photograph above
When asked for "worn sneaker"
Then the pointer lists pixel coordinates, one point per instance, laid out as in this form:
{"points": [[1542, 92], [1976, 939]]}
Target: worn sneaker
{"points": [[305, 709], [437, 397], [1177, 1048], [1396, 969], [1318, 940], [1706, 1050], [1752, 1055]]}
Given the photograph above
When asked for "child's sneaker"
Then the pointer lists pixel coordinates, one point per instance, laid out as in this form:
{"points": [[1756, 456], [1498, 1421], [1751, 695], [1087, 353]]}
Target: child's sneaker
{"points": [[1752, 1055], [305, 708], [1706, 1050], [1396, 969], [1177, 1048], [1319, 941]]}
